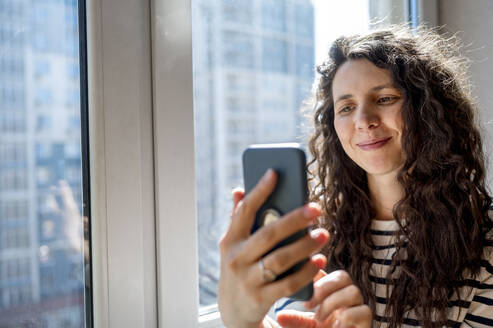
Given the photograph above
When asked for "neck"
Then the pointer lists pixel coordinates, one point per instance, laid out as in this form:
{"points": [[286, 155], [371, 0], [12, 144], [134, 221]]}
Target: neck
{"points": [[385, 192]]}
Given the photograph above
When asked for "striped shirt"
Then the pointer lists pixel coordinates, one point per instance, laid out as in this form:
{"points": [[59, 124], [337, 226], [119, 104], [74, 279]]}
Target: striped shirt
{"points": [[474, 310]]}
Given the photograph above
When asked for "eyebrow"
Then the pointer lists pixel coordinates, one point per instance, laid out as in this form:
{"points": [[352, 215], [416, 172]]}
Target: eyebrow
{"points": [[378, 87]]}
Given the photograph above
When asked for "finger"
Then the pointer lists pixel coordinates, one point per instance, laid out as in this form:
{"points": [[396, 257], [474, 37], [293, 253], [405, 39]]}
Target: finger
{"points": [[296, 319], [267, 237], [295, 281], [238, 194], [287, 256], [333, 320], [67, 196], [345, 297], [256, 278], [359, 316], [51, 203], [245, 214], [320, 274], [328, 285]]}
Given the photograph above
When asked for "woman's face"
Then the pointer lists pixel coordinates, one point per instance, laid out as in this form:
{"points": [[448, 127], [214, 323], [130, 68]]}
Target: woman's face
{"points": [[367, 116]]}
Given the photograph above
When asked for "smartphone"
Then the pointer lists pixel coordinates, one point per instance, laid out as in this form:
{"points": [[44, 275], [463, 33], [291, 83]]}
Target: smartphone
{"points": [[291, 191]]}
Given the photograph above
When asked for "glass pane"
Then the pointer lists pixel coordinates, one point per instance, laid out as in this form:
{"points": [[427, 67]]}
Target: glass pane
{"points": [[42, 239], [253, 68]]}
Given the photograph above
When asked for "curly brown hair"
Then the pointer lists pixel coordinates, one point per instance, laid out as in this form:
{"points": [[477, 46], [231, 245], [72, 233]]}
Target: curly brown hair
{"points": [[443, 215]]}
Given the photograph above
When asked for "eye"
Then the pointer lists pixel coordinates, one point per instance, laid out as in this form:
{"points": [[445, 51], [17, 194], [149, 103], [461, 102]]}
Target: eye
{"points": [[387, 100], [345, 109]]}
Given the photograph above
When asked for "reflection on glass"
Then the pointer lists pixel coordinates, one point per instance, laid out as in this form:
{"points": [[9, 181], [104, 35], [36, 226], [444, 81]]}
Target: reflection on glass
{"points": [[41, 228]]}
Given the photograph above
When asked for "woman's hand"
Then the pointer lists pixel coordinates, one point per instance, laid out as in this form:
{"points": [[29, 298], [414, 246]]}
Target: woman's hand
{"points": [[248, 289], [340, 305]]}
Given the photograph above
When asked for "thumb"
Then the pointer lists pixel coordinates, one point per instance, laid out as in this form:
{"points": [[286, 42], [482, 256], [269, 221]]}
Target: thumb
{"points": [[296, 319]]}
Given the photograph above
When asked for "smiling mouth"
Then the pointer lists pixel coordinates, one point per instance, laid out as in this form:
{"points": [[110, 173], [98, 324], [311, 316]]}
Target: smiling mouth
{"points": [[373, 144]]}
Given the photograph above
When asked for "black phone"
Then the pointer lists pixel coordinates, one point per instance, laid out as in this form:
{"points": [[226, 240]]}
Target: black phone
{"points": [[291, 192]]}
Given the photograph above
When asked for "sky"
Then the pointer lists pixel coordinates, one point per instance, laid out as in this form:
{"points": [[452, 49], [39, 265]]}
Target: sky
{"points": [[334, 18]]}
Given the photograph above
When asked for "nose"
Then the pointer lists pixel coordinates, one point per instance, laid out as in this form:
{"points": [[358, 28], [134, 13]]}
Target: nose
{"points": [[366, 118]]}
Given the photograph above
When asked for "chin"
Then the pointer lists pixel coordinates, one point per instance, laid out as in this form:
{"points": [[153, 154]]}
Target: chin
{"points": [[382, 169]]}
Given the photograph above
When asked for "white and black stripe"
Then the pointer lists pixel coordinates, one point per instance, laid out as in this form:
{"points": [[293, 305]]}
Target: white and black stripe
{"points": [[474, 309]]}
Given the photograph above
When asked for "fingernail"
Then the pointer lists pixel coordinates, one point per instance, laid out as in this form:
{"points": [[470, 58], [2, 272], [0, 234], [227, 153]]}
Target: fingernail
{"points": [[311, 210], [236, 189], [320, 261], [315, 233], [267, 175], [318, 235], [337, 324]]}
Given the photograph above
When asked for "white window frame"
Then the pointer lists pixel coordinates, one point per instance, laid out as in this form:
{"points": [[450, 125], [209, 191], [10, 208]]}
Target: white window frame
{"points": [[174, 163], [121, 163], [144, 229]]}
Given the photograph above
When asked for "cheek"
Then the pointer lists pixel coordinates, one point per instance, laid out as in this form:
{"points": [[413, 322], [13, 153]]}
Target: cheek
{"points": [[397, 118], [343, 132]]}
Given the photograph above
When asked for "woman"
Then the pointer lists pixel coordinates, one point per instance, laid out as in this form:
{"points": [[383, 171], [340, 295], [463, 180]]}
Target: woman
{"points": [[398, 180]]}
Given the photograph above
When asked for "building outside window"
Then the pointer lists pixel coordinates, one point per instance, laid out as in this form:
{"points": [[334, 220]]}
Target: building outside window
{"points": [[41, 259], [253, 96]]}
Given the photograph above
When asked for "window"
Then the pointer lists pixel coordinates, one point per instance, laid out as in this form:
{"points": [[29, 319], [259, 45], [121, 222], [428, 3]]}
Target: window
{"points": [[72, 70], [43, 123], [273, 12], [304, 56], [237, 11], [274, 56], [14, 238], [43, 151], [43, 97], [41, 68], [270, 72], [14, 152], [238, 49], [11, 96], [12, 122], [13, 179], [304, 13], [16, 209], [268, 112], [11, 66], [72, 149], [44, 267]]}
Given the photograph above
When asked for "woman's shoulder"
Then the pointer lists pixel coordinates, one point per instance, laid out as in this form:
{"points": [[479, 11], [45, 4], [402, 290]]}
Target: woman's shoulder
{"points": [[480, 301]]}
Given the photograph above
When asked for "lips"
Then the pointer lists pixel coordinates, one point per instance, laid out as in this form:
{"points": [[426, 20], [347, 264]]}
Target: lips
{"points": [[373, 143]]}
